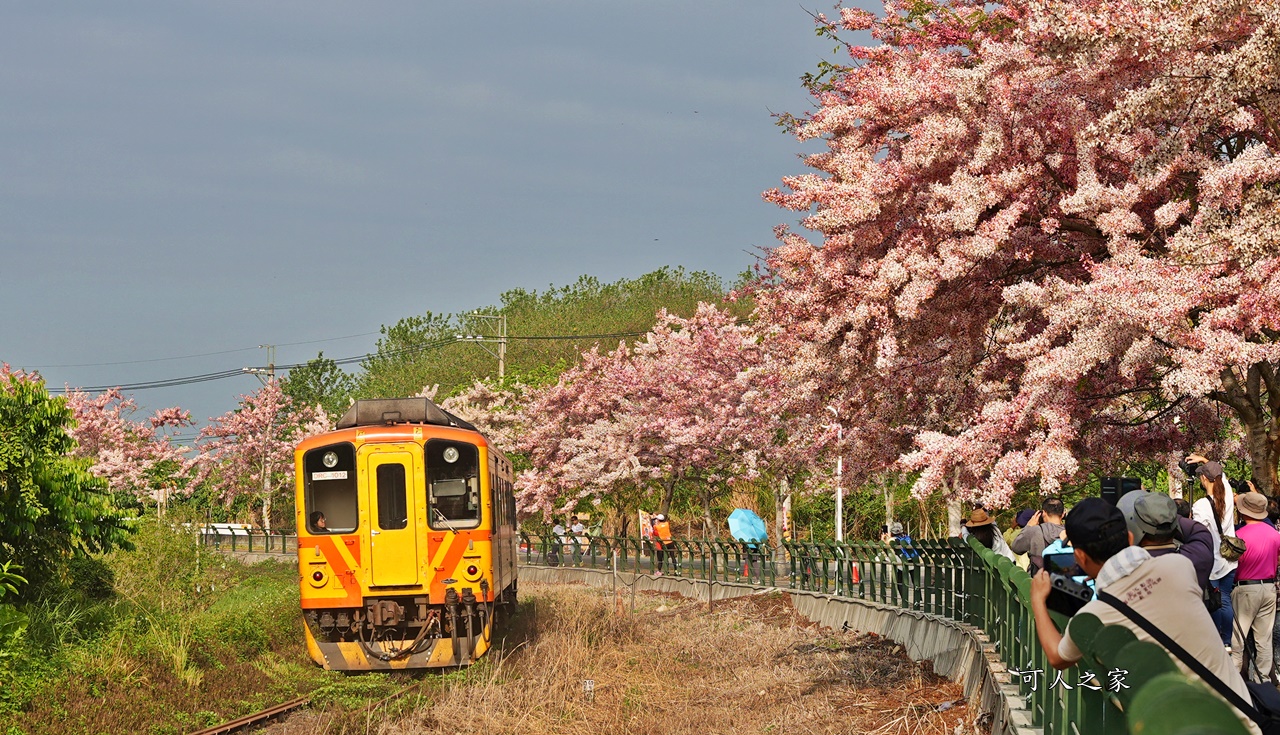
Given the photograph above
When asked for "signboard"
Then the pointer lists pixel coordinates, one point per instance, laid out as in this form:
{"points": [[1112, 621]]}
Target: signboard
{"points": [[334, 475]]}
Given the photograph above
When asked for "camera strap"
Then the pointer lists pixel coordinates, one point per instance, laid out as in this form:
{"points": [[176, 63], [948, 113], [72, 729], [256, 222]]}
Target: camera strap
{"points": [[1191, 661]]}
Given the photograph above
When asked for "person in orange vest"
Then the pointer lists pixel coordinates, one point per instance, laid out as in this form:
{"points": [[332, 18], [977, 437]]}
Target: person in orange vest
{"points": [[661, 543]]}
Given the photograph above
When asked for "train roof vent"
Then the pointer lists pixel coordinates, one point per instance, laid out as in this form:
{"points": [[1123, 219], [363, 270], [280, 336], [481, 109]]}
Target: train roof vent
{"points": [[382, 411]]}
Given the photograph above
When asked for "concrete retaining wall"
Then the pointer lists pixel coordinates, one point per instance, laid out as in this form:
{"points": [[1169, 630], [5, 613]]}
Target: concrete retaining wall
{"points": [[957, 651]]}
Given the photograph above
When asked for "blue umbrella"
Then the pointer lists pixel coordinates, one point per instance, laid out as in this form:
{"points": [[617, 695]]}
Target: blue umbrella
{"points": [[747, 526]]}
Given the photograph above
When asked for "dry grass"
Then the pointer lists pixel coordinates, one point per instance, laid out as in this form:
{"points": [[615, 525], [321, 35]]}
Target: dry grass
{"points": [[752, 666]]}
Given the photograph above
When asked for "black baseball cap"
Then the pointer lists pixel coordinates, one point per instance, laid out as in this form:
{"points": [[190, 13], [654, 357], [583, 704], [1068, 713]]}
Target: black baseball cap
{"points": [[1093, 520]]}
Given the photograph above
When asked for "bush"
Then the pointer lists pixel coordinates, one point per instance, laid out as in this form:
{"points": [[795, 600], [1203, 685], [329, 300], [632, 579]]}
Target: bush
{"points": [[91, 577]]}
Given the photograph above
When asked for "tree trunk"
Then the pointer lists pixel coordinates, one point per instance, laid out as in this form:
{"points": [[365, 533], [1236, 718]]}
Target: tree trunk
{"points": [[888, 502], [1263, 448], [953, 517], [669, 493], [781, 519], [624, 520], [955, 514], [924, 520], [1256, 403], [706, 511], [266, 496], [781, 504]]}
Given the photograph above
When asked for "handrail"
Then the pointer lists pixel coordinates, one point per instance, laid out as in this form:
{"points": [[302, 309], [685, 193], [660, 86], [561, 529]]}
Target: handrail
{"points": [[1122, 686]]}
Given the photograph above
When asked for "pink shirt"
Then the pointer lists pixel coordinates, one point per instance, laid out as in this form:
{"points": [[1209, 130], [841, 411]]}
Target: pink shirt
{"points": [[1262, 545]]}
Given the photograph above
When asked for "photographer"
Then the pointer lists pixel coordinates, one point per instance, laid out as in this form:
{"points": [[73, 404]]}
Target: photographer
{"points": [[1161, 589], [1156, 526], [1042, 530], [1217, 512]]}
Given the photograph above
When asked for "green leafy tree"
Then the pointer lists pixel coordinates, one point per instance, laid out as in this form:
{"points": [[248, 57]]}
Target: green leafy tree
{"points": [[320, 382], [50, 504], [411, 354], [422, 351]]}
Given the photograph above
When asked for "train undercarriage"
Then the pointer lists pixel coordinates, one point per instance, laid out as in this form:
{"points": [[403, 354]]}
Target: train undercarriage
{"points": [[401, 632]]}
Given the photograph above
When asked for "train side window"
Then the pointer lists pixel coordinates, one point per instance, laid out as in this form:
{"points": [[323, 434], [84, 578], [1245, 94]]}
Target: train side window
{"points": [[393, 511], [329, 489], [453, 483]]}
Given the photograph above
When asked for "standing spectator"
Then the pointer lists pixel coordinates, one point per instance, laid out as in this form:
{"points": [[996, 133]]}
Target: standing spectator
{"points": [[1156, 526], [908, 553], [1161, 589], [1184, 508], [1254, 597], [905, 544], [577, 537], [1019, 522], [1042, 530], [556, 546], [983, 527], [662, 543], [1217, 512]]}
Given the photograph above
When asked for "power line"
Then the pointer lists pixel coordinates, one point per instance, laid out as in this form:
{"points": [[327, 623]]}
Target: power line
{"points": [[147, 385], [233, 372], [199, 354], [402, 351]]}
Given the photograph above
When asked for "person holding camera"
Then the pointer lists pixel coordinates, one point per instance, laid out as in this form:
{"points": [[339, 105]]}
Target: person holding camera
{"points": [[1162, 589], [1217, 512], [1043, 529]]}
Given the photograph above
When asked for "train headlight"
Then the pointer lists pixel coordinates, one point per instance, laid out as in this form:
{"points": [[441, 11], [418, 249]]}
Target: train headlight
{"points": [[472, 570], [451, 454], [319, 578], [330, 459]]}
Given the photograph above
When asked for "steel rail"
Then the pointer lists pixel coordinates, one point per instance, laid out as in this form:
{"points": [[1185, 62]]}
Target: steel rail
{"points": [[256, 718]]}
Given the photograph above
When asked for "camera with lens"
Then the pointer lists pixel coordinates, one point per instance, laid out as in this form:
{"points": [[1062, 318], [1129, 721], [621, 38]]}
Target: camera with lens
{"points": [[1188, 468], [1066, 595]]}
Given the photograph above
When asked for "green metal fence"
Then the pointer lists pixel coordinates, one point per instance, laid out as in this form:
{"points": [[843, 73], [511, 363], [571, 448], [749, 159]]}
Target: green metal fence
{"points": [[257, 543], [1122, 686]]}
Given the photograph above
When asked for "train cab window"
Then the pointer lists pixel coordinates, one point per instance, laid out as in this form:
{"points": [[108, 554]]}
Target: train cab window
{"points": [[453, 484], [393, 512], [330, 489]]}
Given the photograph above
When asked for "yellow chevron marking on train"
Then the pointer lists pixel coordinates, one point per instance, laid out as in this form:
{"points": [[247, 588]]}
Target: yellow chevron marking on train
{"points": [[443, 551]]}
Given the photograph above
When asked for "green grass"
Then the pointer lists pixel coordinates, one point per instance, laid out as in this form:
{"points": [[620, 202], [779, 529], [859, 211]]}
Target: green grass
{"points": [[167, 638]]}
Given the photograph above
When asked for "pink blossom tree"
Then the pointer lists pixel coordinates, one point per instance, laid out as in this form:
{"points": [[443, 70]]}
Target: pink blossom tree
{"points": [[249, 450], [135, 457], [495, 409], [690, 401], [1049, 233]]}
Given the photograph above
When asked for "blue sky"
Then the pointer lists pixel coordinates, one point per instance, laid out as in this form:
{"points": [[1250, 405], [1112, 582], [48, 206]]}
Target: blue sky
{"points": [[190, 178]]}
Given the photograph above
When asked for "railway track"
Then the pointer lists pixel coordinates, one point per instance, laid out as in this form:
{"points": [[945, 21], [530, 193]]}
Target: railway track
{"points": [[257, 719], [241, 724]]}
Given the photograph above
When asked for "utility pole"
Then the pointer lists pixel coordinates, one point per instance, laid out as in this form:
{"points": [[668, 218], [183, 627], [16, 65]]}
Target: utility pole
{"points": [[839, 473], [501, 340], [270, 370]]}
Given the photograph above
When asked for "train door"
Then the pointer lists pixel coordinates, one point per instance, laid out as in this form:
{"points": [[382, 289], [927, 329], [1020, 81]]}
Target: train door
{"points": [[393, 538]]}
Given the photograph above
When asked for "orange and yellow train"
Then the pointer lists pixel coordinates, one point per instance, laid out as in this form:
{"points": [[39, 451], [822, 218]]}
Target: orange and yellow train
{"points": [[406, 538]]}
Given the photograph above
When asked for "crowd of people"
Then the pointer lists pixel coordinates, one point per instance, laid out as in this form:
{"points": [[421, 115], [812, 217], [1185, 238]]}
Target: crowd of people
{"points": [[1197, 579]]}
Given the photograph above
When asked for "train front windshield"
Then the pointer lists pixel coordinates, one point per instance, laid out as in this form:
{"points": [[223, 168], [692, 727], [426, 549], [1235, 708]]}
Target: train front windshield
{"points": [[330, 484], [453, 484]]}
